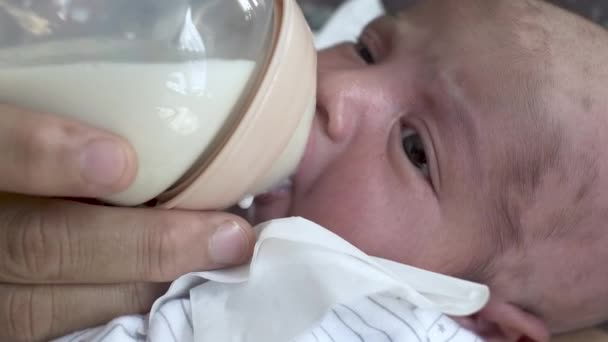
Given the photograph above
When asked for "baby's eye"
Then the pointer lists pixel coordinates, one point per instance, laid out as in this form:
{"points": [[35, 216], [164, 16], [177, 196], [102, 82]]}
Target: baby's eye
{"points": [[414, 150], [364, 52]]}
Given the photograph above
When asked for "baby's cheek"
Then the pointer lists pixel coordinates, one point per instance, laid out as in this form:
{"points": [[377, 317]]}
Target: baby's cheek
{"points": [[401, 233]]}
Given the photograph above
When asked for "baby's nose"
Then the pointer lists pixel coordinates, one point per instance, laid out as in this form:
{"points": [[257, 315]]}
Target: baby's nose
{"points": [[352, 101], [335, 105]]}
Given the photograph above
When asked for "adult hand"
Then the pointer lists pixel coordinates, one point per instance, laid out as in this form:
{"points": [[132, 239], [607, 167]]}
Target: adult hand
{"points": [[66, 265]]}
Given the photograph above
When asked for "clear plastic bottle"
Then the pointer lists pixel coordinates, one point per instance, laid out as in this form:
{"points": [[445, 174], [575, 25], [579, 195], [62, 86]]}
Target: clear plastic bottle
{"points": [[197, 87]]}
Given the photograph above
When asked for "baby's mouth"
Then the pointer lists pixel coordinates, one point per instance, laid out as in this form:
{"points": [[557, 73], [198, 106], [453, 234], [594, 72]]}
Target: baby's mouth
{"points": [[279, 200], [279, 191], [272, 204]]}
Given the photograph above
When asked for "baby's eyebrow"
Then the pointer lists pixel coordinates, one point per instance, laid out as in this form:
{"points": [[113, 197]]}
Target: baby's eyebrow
{"points": [[460, 117], [522, 142], [535, 148], [454, 113]]}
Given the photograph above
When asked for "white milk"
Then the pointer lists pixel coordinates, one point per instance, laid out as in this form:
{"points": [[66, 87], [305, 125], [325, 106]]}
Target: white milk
{"points": [[168, 112]]}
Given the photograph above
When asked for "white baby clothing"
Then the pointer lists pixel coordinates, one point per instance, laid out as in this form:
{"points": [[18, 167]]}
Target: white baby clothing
{"points": [[304, 283], [372, 319]]}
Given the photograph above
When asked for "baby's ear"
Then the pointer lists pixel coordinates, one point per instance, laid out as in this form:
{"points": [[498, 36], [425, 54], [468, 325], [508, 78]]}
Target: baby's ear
{"points": [[500, 321]]}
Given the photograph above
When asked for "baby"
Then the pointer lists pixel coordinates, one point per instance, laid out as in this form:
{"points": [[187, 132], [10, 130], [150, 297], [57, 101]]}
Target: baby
{"points": [[471, 136], [467, 138]]}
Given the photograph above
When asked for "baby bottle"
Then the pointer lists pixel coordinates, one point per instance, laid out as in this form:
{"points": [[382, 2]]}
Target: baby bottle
{"points": [[216, 96]]}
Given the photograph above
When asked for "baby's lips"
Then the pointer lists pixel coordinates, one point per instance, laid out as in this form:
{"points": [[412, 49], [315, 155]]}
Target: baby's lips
{"points": [[277, 192]]}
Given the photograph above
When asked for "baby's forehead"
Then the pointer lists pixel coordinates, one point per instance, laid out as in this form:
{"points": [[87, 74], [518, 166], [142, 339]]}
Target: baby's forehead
{"points": [[485, 52], [504, 70], [551, 64]]}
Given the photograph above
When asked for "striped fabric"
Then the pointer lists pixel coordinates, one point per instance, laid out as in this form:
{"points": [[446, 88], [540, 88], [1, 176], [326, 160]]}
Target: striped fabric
{"points": [[379, 318]]}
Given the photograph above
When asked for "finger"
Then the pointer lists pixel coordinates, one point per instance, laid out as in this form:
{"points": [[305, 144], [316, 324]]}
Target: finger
{"points": [[55, 241], [47, 155], [39, 313]]}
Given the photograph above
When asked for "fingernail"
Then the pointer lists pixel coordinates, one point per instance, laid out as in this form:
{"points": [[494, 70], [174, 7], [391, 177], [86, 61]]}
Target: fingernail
{"points": [[103, 162], [228, 244]]}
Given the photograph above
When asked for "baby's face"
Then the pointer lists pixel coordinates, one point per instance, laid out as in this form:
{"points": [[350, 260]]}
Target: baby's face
{"points": [[409, 123], [437, 137]]}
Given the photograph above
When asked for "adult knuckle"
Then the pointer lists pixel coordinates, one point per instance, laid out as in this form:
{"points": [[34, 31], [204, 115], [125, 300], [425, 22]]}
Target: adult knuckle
{"points": [[135, 296], [35, 139], [160, 250], [139, 295], [33, 246], [43, 141], [28, 315], [44, 131]]}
